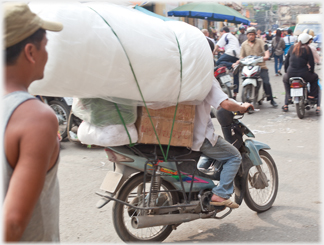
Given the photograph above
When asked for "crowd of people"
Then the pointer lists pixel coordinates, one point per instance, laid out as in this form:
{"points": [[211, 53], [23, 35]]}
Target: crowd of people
{"points": [[288, 51]]}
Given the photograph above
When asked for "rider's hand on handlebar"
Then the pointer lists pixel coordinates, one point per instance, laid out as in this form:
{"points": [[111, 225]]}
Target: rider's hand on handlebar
{"points": [[246, 107]]}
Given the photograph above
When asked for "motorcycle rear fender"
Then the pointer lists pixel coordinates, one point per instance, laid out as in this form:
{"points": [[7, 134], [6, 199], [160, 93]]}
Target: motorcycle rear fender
{"points": [[296, 100], [254, 148], [249, 81]]}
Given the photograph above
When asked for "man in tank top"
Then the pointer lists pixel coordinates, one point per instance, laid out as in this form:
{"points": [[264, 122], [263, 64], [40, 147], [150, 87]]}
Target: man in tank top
{"points": [[30, 143]]}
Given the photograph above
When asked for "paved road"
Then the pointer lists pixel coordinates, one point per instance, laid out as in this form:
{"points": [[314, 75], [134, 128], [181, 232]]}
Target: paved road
{"points": [[295, 216]]}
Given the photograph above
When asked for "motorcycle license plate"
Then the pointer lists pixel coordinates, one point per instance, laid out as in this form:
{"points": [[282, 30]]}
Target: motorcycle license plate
{"points": [[296, 92], [111, 181], [225, 79]]}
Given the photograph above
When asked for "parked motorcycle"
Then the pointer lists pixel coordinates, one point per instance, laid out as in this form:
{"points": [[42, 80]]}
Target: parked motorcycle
{"points": [[251, 80], [299, 93], [62, 107], [152, 197]]}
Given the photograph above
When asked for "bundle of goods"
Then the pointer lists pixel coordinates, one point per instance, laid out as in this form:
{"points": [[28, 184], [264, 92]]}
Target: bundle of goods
{"points": [[116, 53], [114, 58]]}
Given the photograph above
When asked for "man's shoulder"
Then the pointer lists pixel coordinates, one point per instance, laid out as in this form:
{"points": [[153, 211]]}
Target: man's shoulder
{"points": [[34, 113]]}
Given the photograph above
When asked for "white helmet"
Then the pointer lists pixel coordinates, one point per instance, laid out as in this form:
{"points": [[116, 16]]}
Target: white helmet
{"points": [[304, 38], [309, 32]]}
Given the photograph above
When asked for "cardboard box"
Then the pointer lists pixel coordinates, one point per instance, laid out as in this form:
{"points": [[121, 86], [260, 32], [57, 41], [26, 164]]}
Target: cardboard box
{"points": [[162, 119]]}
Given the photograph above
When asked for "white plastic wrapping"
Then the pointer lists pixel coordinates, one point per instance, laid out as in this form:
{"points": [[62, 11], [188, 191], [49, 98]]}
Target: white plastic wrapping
{"points": [[102, 113], [86, 59], [113, 135]]}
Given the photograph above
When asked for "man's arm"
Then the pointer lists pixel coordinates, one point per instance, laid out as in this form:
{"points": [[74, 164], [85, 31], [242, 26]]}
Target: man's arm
{"points": [[230, 105], [37, 145]]}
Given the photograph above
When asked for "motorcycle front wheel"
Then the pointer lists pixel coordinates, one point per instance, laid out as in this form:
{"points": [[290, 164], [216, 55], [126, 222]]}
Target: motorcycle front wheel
{"points": [[132, 192], [248, 95], [262, 184], [300, 108]]}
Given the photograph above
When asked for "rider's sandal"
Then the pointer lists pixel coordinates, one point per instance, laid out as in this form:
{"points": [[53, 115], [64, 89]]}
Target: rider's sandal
{"points": [[226, 203], [318, 112], [285, 108]]}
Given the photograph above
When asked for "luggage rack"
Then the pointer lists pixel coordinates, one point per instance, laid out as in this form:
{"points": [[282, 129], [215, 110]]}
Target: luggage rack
{"points": [[172, 163]]}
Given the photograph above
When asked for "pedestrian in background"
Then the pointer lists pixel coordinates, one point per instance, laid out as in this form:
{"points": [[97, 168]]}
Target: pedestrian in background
{"points": [[206, 33], [278, 46], [31, 147], [242, 37], [289, 40]]}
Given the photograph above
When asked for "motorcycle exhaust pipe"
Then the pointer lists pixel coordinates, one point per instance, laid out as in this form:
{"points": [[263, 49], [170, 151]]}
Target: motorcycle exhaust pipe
{"points": [[139, 222]]}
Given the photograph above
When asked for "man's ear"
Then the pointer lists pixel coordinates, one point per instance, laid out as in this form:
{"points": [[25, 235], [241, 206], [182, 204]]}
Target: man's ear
{"points": [[29, 52]]}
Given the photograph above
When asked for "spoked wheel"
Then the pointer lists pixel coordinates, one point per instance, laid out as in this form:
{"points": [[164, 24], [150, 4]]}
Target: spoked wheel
{"points": [[262, 184], [62, 111], [132, 192], [300, 108]]}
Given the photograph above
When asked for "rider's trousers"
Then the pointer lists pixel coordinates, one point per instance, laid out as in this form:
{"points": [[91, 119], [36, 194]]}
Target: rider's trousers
{"points": [[230, 157]]}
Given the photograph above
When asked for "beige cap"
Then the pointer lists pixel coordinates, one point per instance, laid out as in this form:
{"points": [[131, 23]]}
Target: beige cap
{"points": [[20, 23]]}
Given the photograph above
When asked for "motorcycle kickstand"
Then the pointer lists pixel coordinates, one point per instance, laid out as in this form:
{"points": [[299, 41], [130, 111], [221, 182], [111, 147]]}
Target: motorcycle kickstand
{"points": [[223, 216]]}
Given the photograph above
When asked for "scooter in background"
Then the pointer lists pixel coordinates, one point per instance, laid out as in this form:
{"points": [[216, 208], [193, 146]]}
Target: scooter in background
{"points": [[251, 80]]}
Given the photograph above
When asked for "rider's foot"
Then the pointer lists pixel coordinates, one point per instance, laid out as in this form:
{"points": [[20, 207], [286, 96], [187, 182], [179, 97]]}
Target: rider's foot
{"points": [[273, 103], [318, 111], [279, 72], [285, 108], [219, 201]]}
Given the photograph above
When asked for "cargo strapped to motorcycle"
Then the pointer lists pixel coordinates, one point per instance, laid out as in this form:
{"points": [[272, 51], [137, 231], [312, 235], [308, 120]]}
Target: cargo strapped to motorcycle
{"points": [[165, 155]]}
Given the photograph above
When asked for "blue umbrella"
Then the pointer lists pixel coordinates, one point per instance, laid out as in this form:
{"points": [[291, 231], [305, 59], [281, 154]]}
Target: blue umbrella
{"points": [[210, 11]]}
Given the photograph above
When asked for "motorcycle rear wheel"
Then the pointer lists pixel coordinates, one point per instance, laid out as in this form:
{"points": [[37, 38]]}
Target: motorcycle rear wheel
{"points": [[300, 108], [122, 214], [227, 90], [260, 198]]}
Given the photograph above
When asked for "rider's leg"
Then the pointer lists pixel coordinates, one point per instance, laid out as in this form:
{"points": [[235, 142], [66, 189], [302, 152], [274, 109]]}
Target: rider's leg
{"points": [[267, 87], [236, 82], [223, 151], [285, 80]]}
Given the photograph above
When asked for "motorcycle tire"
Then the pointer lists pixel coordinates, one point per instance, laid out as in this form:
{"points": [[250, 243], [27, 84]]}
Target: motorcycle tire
{"points": [[247, 95], [122, 224], [255, 188], [62, 111], [300, 108], [227, 90]]}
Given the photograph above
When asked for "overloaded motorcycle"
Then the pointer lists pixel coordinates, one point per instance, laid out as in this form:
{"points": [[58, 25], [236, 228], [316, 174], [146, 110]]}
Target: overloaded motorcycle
{"points": [[152, 196], [251, 80], [299, 93]]}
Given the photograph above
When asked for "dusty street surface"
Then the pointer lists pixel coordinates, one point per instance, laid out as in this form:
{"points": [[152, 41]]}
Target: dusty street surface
{"points": [[295, 216]]}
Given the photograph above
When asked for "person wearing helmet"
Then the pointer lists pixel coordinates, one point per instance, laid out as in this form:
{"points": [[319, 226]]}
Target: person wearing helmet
{"points": [[317, 58], [242, 37], [300, 63], [255, 46]]}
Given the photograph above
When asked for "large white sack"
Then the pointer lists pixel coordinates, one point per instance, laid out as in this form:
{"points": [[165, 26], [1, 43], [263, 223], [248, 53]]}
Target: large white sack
{"points": [[112, 135], [87, 60]]}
